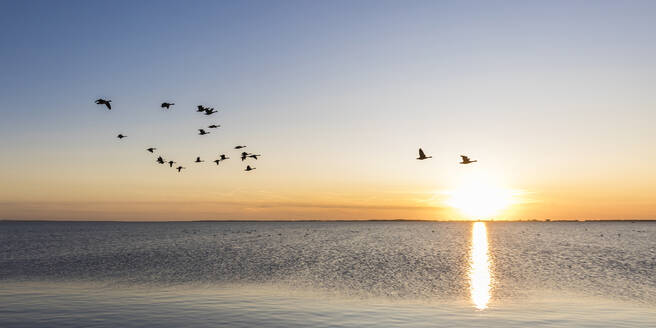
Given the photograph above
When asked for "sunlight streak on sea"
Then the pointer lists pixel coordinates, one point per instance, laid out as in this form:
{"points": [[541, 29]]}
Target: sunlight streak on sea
{"points": [[479, 274]]}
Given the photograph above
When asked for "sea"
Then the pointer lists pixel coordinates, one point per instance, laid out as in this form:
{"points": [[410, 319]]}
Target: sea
{"points": [[328, 274]]}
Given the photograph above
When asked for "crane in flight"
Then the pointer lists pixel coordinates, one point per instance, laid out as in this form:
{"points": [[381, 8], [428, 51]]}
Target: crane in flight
{"points": [[466, 160], [105, 102], [423, 156]]}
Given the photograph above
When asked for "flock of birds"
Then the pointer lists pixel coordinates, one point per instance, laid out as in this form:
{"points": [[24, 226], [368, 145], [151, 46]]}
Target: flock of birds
{"points": [[244, 155], [201, 109], [465, 159]]}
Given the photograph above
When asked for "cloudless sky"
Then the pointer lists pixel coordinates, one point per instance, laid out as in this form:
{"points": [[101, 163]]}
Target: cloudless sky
{"points": [[555, 99]]}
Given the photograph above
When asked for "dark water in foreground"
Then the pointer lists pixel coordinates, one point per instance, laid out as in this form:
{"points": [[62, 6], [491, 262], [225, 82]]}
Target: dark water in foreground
{"points": [[332, 274]]}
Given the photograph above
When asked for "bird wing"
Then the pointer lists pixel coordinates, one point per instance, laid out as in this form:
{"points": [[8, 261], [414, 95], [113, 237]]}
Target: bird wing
{"points": [[108, 105], [421, 153], [464, 158]]}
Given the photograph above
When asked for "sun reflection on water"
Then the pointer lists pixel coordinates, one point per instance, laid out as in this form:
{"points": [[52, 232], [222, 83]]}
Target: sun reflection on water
{"points": [[480, 278]]}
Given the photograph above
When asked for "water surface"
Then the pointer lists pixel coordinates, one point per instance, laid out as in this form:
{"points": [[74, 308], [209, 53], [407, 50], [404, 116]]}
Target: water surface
{"points": [[338, 274]]}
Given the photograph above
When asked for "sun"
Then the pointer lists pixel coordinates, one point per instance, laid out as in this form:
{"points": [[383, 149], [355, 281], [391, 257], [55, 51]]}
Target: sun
{"points": [[480, 199]]}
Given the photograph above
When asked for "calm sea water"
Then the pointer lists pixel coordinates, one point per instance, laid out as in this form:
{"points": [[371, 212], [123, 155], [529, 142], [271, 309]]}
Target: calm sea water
{"points": [[328, 274]]}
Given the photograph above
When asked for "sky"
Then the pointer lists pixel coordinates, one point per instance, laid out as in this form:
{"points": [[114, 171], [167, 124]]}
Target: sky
{"points": [[555, 99]]}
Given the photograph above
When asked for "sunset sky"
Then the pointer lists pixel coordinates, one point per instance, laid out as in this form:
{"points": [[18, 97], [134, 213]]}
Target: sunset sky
{"points": [[556, 101]]}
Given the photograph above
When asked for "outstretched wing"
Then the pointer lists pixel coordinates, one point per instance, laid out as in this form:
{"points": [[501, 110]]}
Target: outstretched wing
{"points": [[464, 158], [109, 106], [421, 153]]}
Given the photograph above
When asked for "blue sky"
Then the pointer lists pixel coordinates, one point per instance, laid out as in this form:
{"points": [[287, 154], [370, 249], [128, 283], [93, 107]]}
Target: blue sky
{"points": [[334, 94]]}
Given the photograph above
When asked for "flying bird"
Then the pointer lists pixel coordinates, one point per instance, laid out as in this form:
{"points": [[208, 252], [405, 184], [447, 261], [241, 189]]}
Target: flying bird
{"points": [[202, 132], [167, 105], [466, 160], [101, 101], [240, 147], [224, 157], [151, 149], [171, 163], [210, 111], [198, 160], [244, 155], [422, 156], [249, 168], [217, 161], [160, 160], [120, 136], [254, 155], [179, 168], [214, 126]]}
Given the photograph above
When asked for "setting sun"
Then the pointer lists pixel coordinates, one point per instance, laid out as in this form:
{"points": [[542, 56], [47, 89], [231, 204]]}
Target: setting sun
{"points": [[480, 199]]}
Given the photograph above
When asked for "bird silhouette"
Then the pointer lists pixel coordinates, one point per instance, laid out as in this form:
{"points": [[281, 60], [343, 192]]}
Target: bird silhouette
{"points": [[101, 101], [244, 155], [179, 168], [202, 132], [120, 136], [217, 161], [224, 157], [160, 160], [167, 105], [171, 163], [210, 111], [201, 108], [198, 160], [151, 149], [240, 147], [422, 156], [254, 155], [466, 160], [249, 168], [214, 126]]}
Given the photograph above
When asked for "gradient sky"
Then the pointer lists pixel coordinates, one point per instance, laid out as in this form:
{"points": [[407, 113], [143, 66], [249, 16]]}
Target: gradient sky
{"points": [[554, 98]]}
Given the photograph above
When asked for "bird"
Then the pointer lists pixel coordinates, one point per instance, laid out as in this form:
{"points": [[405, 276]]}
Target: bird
{"points": [[466, 160], [224, 157], [101, 101], [167, 105], [214, 126], [254, 155], [249, 168], [171, 163], [151, 149], [210, 111], [198, 160], [120, 136], [179, 168], [217, 161], [240, 147], [160, 160], [201, 108], [202, 132], [244, 155], [422, 156]]}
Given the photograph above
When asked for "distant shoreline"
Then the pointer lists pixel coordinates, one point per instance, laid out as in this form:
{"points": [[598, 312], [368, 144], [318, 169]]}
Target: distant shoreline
{"points": [[279, 220]]}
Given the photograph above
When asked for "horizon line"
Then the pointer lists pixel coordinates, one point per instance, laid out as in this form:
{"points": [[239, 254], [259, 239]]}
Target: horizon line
{"points": [[331, 220]]}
